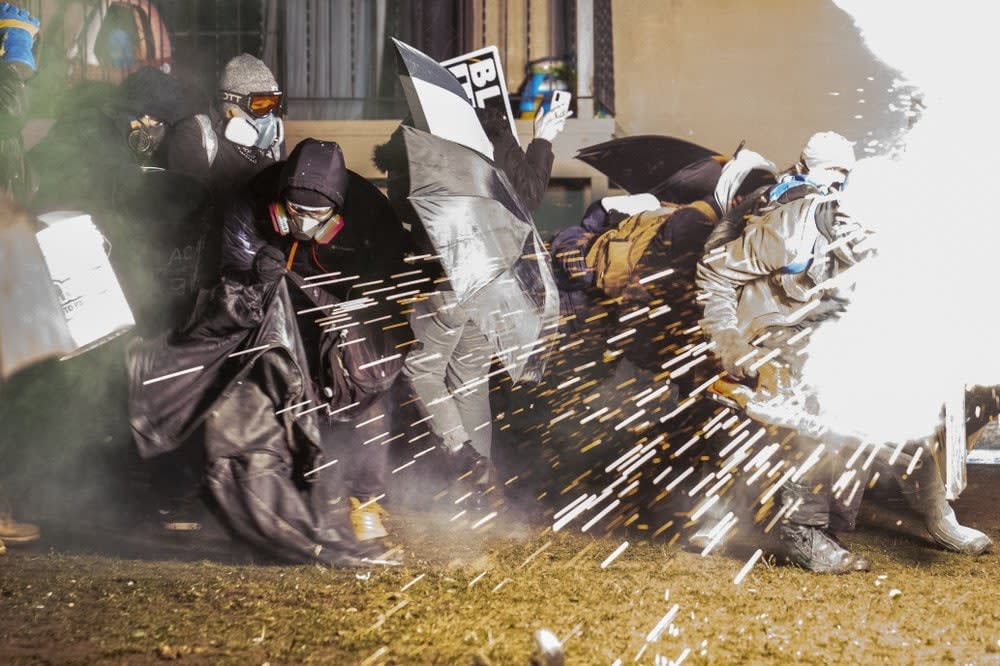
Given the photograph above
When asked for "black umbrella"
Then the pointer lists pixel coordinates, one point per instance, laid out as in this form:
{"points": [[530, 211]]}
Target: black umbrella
{"points": [[488, 246], [671, 169], [437, 102]]}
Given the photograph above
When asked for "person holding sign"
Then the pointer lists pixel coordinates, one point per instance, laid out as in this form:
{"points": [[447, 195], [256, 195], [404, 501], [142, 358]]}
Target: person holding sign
{"points": [[449, 374]]}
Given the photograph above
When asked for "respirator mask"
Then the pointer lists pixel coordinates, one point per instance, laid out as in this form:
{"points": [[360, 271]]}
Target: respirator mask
{"points": [[261, 127]]}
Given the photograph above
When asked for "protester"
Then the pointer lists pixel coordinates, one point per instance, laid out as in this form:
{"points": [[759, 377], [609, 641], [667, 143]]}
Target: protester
{"points": [[241, 134], [95, 152], [453, 352], [18, 33], [763, 283], [300, 219]]}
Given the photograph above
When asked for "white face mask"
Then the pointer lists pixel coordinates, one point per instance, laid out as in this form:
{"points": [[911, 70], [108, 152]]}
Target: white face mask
{"points": [[263, 133], [827, 178]]}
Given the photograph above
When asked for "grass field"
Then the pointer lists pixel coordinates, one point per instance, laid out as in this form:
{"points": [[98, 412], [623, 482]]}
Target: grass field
{"points": [[469, 596]]}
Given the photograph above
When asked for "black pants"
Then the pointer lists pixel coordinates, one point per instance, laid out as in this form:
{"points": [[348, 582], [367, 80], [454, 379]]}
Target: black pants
{"points": [[361, 448]]}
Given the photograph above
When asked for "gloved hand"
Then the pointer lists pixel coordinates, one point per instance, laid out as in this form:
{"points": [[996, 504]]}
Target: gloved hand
{"points": [[548, 125], [731, 349], [18, 30], [269, 263]]}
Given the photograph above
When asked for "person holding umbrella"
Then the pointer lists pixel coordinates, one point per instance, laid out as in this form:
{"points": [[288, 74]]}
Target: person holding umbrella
{"points": [[448, 372]]}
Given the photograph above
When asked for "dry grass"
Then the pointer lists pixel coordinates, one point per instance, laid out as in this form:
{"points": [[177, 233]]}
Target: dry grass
{"points": [[477, 597]]}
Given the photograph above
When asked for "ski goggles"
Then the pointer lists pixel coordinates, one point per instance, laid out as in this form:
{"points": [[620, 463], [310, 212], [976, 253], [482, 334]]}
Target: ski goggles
{"points": [[257, 104], [320, 214]]}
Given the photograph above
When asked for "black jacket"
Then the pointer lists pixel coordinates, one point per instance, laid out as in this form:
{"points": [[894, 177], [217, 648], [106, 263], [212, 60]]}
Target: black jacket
{"points": [[15, 176], [370, 245], [199, 149]]}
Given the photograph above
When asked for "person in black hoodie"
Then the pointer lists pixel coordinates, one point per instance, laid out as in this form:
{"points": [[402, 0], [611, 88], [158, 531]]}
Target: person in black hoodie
{"points": [[293, 339]]}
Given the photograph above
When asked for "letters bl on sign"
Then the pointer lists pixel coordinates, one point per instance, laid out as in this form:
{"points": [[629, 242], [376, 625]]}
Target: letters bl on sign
{"points": [[481, 76]]}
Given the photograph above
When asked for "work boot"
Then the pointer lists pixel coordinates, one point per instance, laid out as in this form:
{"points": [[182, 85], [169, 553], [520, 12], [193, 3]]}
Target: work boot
{"points": [[924, 492], [366, 520], [466, 462], [811, 548], [3, 548], [12, 531]]}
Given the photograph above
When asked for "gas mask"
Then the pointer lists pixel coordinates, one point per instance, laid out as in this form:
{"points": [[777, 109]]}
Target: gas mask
{"points": [[144, 137], [319, 224], [260, 125], [262, 133]]}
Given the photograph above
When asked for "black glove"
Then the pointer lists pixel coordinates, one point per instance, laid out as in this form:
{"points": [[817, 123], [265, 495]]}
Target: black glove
{"points": [[269, 263]]}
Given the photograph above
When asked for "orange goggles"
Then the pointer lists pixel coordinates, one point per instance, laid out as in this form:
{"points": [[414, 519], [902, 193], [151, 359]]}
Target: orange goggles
{"points": [[258, 104]]}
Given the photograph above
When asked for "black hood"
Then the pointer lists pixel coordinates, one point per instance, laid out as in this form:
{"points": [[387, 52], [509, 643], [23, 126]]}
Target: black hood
{"points": [[149, 91], [316, 166]]}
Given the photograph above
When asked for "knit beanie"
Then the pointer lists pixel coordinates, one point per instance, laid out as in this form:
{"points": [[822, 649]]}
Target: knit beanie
{"points": [[246, 74]]}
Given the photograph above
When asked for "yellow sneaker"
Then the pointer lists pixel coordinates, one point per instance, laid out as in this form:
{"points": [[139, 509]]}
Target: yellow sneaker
{"points": [[366, 519], [12, 531]]}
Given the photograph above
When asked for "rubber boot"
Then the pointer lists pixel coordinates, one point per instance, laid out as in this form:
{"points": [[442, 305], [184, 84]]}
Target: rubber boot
{"points": [[804, 538], [924, 493]]}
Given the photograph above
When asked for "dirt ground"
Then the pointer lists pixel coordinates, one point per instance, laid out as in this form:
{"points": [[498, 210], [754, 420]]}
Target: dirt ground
{"points": [[476, 596]]}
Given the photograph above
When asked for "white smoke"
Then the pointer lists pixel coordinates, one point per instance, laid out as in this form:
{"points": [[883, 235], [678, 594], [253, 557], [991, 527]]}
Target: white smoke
{"points": [[924, 317]]}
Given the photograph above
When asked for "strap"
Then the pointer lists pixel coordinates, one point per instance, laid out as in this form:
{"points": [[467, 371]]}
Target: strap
{"points": [[209, 141], [806, 242]]}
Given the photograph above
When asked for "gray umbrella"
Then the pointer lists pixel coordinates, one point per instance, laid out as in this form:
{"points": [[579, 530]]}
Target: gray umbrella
{"points": [[487, 243]]}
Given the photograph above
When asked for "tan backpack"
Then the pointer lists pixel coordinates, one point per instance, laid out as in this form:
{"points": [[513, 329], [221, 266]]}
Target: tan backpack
{"points": [[616, 253]]}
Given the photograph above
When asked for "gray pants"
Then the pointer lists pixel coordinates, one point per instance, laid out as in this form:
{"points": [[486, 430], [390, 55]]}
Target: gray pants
{"points": [[449, 372]]}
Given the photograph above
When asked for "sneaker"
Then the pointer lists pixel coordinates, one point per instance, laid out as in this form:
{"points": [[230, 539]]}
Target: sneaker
{"points": [[466, 462], [366, 520], [811, 548], [12, 531], [479, 501], [182, 515]]}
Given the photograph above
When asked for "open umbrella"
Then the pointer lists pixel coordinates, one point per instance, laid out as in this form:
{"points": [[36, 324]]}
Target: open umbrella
{"points": [[437, 102], [488, 246], [671, 169]]}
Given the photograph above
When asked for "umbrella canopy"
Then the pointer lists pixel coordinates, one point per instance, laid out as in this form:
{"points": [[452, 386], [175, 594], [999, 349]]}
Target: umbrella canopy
{"points": [[488, 246], [671, 169], [437, 102]]}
